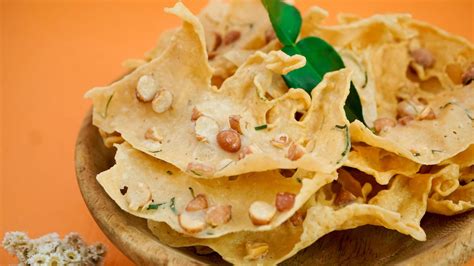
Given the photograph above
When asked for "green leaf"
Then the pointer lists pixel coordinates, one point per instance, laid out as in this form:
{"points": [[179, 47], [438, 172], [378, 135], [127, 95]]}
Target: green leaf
{"points": [[286, 20], [353, 107], [321, 58]]}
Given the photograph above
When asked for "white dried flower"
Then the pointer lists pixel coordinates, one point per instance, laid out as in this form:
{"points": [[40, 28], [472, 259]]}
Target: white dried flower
{"points": [[97, 248], [38, 260], [56, 259], [51, 250], [46, 248], [13, 240], [74, 240], [71, 255], [49, 238]]}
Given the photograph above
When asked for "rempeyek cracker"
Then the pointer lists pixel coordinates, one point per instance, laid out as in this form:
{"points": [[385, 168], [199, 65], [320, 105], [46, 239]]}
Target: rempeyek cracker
{"points": [[461, 200], [454, 193], [382, 165], [422, 85], [399, 207], [155, 190], [246, 125], [232, 34]]}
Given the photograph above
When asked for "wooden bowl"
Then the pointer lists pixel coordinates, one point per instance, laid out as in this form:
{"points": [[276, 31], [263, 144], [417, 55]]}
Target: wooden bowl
{"points": [[450, 239]]}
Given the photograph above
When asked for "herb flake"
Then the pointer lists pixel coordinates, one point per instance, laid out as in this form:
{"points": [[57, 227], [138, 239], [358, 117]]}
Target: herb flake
{"points": [[466, 111], [261, 127], [194, 172], [173, 206], [104, 115], [154, 206], [348, 140], [192, 192]]}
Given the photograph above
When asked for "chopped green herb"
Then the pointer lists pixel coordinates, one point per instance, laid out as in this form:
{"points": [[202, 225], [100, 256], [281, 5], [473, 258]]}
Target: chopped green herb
{"points": [[192, 192], [104, 115], [298, 179], [320, 56], [196, 173], [415, 153], [226, 165], [348, 140], [366, 80], [155, 206], [435, 151], [172, 206], [169, 172], [209, 233], [155, 151], [261, 127], [460, 106]]}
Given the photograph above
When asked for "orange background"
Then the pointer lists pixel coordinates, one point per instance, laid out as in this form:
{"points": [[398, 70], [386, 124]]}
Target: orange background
{"points": [[54, 51]]}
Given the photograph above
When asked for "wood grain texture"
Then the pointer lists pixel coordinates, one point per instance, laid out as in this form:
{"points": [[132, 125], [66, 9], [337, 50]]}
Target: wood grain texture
{"points": [[450, 239]]}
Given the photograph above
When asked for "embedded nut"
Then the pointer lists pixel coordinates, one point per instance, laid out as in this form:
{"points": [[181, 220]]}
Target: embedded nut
{"points": [[247, 150], [203, 250], [152, 134], [261, 213], [344, 198], [468, 75], [231, 37], [295, 152], [212, 55], [270, 35], [205, 128], [192, 222], [406, 108], [427, 114], [196, 114], [298, 218], [423, 57], [234, 123], [215, 42], [138, 195], [287, 172], [111, 140], [146, 88], [200, 169], [255, 250], [162, 101], [284, 201], [229, 140], [281, 141], [197, 204], [382, 124], [218, 215], [405, 120]]}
